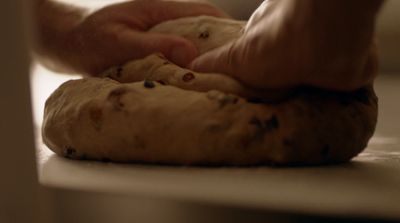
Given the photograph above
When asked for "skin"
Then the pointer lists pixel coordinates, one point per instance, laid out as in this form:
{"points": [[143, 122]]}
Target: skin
{"points": [[70, 39], [287, 43]]}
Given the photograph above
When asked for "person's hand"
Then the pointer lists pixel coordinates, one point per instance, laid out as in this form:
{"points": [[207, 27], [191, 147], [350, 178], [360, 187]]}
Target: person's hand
{"points": [[117, 33], [287, 43]]}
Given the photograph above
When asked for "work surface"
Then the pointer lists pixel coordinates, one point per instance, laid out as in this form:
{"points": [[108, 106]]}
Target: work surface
{"points": [[369, 186]]}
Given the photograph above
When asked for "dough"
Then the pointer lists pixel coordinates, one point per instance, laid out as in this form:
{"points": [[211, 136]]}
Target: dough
{"points": [[155, 112], [157, 68], [205, 32]]}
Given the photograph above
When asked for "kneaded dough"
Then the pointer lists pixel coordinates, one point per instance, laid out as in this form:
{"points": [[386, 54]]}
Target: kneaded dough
{"points": [[153, 111], [157, 68], [205, 32]]}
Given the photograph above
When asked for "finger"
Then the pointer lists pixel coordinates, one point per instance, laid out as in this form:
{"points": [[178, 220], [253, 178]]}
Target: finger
{"points": [[221, 60], [177, 49]]}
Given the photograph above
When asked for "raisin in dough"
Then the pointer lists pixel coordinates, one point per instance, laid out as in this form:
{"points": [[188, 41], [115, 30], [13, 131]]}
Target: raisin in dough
{"points": [[157, 68], [155, 112]]}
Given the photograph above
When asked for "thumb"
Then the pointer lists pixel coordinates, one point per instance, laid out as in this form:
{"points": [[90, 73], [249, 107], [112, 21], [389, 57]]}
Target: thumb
{"points": [[225, 59], [177, 49]]}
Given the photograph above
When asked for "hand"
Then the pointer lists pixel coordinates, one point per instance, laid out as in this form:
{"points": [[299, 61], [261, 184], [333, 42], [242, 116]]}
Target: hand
{"points": [[287, 43], [117, 34]]}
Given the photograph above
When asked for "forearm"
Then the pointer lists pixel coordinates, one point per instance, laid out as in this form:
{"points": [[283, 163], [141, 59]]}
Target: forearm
{"points": [[54, 21]]}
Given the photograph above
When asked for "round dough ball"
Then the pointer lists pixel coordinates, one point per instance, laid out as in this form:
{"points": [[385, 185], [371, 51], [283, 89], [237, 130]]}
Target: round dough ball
{"points": [[148, 122]]}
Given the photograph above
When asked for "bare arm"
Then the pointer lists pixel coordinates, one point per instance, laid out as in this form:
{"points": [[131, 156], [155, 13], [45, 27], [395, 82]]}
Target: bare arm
{"points": [[287, 43], [55, 22], [71, 40]]}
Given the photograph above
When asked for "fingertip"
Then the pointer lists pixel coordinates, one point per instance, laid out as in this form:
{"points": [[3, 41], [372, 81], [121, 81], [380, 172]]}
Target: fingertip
{"points": [[196, 64], [182, 52], [209, 62], [176, 49]]}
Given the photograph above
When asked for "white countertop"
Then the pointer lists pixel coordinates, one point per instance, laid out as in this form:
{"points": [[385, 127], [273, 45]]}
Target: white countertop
{"points": [[367, 187]]}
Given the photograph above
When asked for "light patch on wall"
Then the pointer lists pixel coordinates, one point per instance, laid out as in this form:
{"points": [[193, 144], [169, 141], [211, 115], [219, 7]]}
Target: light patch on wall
{"points": [[43, 83]]}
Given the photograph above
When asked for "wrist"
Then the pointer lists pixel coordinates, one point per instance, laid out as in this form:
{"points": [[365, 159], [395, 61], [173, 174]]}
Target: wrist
{"points": [[55, 23]]}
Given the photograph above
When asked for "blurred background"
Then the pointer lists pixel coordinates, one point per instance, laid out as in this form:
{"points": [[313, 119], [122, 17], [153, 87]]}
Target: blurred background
{"points": [[389, 37]]}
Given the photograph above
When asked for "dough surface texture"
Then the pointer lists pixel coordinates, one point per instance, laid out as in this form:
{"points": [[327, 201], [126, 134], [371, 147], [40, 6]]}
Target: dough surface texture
{"points": [[152, 111]]}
